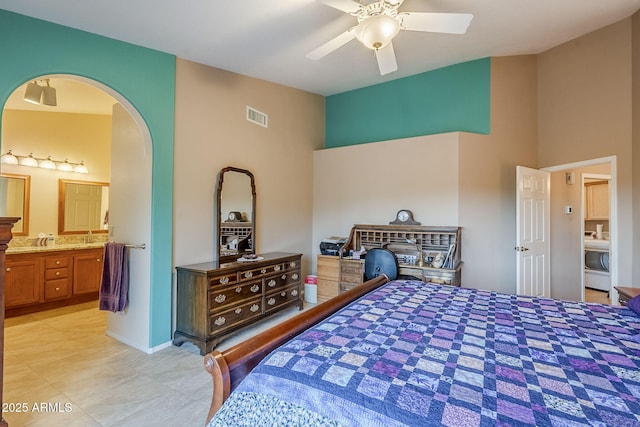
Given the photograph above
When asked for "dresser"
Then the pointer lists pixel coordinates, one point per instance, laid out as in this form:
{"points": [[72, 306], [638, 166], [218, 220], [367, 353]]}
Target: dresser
{"points": [[215, 301]]}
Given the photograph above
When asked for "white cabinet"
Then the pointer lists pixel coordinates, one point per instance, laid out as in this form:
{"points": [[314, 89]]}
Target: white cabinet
{"points": [[597, 200]]}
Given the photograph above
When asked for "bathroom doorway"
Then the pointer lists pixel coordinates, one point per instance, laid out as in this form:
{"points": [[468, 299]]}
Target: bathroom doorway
{"points": [[120, 154], [568, 226]]}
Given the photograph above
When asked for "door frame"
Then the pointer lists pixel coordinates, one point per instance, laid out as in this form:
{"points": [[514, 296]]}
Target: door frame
{"points": [[613, 217]]}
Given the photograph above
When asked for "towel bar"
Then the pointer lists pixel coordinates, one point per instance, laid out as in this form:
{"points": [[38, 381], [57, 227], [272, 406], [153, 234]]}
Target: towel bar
{"points": [[141, 246]]}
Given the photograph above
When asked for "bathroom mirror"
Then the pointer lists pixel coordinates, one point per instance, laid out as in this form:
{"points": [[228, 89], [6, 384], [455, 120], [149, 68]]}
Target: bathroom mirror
{"points": [[83, 206], [14, 193], [235, 213]]}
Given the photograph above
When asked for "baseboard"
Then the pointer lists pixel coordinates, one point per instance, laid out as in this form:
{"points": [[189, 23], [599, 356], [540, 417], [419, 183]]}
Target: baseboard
{"points": [[137, 346]]}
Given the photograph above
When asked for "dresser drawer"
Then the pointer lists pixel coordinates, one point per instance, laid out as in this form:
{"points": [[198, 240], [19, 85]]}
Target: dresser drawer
{"points": [[275, 299], [235, 316], [55, 262], [222, 298], [260, 272], [56, 273], [56, 289], [224, 280], [275, 282]]}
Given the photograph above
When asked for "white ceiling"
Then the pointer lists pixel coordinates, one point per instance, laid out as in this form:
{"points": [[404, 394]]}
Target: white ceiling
{"points": [[269, 39]]}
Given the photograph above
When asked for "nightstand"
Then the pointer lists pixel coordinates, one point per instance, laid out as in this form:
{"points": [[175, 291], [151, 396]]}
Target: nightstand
{"points": [[625, 294]]}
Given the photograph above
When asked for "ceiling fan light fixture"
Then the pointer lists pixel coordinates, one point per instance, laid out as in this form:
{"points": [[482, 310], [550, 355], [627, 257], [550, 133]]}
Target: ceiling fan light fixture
{"points": [[377, 31]]}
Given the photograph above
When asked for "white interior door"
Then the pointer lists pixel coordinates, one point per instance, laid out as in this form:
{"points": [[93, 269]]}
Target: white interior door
{"points": [[532, 223]]}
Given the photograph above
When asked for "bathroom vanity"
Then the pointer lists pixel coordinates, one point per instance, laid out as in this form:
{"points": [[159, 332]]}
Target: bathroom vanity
{"points": [[42, 278]]}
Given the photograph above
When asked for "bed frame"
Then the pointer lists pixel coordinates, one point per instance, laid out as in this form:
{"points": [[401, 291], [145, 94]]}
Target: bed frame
{"points": [[228, 368]]}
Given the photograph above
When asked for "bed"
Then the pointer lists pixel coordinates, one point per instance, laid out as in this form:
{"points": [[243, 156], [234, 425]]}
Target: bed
{"points": [[413, 353]]}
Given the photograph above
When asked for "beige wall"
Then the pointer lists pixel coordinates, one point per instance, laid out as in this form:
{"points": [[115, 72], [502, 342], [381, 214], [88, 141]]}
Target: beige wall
{"points": [[488, 175], [212, 132], [635, 101], [77, 137], [585, 112], [369, 183]]}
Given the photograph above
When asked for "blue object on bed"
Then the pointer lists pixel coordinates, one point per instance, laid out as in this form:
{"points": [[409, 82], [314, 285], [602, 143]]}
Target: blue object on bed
{"points": [[634, 304], [418, 354]]}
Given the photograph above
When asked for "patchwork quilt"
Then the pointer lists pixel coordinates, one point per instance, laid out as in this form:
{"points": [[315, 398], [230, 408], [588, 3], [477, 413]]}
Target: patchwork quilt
{"points": [[419, 354]]}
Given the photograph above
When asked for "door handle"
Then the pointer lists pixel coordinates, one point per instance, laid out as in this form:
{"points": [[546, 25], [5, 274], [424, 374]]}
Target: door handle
{"points": [[521, 248]]}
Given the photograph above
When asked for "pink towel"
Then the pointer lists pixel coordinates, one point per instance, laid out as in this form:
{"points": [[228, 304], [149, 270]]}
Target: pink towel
{"points": [[114, 287]]}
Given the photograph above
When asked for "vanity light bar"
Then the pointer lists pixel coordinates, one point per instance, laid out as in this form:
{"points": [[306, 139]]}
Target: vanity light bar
{"points": [[46, 163]]}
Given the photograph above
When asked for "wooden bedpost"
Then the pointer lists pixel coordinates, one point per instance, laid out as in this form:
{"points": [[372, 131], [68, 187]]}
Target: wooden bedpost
{"points": [[228, 368]]}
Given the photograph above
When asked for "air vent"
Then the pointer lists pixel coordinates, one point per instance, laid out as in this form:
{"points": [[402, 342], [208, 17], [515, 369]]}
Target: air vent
{"points": [[257, 117]]}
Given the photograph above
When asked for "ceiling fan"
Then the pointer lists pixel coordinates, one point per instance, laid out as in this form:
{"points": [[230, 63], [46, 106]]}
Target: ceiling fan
{"points": [[379, 22]]}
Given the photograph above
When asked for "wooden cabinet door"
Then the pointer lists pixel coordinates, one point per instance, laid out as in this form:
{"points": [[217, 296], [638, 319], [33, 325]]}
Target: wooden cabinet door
{"points": [[87, 272], [597, 200], [22, 279]]}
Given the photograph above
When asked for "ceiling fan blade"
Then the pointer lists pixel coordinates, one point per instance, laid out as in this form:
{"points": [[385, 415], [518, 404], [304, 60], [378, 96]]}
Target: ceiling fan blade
{"points": [[332, 44], [451, 23], [347, 6], [386, 58]]}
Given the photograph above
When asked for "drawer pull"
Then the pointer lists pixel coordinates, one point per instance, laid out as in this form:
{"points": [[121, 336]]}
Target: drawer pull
{"points": [[220, 298], [248, 274], [271, 301], [294, 292], [238, 310], [284, 277], [224, 280], [254, 308], [276, 268], [57, 273], [292, 264], [220, 321], [57, 289], [97, 259], [255, 288], [264, 270], [238, 289], [8, 268], [283, 294], [294, 276], [271, 283], [57, 262]]}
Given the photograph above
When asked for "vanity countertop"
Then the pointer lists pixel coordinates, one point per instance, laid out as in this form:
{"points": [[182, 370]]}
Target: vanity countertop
{"points": [[62, 247]]}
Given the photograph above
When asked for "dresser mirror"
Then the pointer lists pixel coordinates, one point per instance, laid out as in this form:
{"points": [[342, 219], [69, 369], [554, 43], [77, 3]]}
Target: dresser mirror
{"points": [[235, 212], [14, 193], [83, 206]]}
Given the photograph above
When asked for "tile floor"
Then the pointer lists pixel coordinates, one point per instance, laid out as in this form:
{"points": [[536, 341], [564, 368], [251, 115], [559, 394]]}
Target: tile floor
{"points": [[62, 359]]}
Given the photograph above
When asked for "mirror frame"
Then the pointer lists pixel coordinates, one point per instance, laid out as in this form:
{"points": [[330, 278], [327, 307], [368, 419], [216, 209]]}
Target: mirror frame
{"points": [[26, 202], [61, 205], [217, 205]]}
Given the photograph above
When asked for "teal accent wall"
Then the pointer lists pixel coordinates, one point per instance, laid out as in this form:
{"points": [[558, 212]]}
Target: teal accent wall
{"points": [[450, 99], [30, 48]]}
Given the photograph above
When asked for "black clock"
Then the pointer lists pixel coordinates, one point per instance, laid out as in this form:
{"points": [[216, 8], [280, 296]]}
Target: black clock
{"points": [[404, 217]]}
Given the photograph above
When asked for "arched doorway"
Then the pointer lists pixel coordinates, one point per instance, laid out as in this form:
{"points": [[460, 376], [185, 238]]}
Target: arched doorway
{"points": [[129, 149]]}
